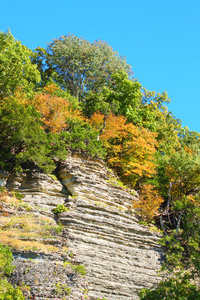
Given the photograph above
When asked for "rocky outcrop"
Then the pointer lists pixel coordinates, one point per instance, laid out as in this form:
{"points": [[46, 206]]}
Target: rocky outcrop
{"points": [[100, 229]]}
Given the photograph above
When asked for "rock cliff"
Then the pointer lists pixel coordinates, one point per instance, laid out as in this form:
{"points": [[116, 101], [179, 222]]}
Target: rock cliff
{"points": [[99, 231]]}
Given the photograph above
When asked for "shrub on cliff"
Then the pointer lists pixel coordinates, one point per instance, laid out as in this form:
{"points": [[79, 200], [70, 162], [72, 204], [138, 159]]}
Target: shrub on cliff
{"points": [[7, 291]]}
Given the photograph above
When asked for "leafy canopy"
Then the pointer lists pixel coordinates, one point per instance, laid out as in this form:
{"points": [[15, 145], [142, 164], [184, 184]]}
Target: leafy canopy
{"points": [[16, 68], [81, 66]]}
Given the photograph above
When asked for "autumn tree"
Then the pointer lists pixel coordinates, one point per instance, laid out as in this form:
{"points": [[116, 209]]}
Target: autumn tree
{"points": [[54, 110], [125, 96], [130, 149], [149, 202]]}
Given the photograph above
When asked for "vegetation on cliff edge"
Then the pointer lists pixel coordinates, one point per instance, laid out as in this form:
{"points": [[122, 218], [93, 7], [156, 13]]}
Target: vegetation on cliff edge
{"points": [[80, 95]]}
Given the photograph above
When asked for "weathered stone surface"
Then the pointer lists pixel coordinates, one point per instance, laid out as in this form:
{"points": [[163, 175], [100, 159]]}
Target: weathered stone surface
{"points": [[47, 276], [102, 232], [120, 256], [38, 189]]}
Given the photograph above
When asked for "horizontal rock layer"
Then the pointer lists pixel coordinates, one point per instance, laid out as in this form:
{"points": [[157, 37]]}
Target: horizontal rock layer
{"points": [[120, 255]]}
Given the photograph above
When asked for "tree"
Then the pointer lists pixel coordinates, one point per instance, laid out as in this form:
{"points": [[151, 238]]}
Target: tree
{"points": [[39, 57], [16, 68], [55, 110], [130, 149], [80, 135], [149, 202], [22, 138], [81, 65], [121, 95], [178, 286]]}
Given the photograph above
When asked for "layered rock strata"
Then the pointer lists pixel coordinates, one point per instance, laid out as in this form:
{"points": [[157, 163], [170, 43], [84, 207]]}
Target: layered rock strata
{"points": [[100, 229]]}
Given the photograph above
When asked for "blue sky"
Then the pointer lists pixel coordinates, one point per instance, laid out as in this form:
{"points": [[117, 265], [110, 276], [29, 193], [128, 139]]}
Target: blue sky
{"points": [[160, 39]]}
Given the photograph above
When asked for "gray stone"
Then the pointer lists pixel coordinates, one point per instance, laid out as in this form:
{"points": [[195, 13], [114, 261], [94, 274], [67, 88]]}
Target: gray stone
{"points": [[101, 230]]}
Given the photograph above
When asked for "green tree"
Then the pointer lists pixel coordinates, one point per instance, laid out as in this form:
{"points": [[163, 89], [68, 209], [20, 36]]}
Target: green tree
{"points": [[182, 248], [80, 135], [22, 138], [16, 68], [81, 65], [177, 286], [121, 95], [40, 58]]}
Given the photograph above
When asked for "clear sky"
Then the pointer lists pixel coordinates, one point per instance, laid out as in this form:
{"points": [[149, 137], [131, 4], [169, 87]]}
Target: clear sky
{"points": [[160, 39]]}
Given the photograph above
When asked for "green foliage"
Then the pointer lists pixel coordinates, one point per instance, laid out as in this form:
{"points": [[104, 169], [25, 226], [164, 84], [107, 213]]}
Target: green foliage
{"points": [[79, 269], [177, 286], [21, 136], [62, 289], [26, 206], [121, 95], [17, 195], [80, 135], [81, 66], [182, 244], [7, 291], [40, 59], [23, 140], [59, 209], [16, 68], [182, 253], [6, 259]]}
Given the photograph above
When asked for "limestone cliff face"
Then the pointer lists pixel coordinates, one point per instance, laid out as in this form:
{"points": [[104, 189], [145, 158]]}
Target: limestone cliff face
{"points": [[100, 231]]}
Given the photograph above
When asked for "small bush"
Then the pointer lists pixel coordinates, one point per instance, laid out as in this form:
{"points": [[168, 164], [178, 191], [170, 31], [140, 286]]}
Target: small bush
{"points": [[6, 259], [79, 269], [59, 209], [7, 291]]}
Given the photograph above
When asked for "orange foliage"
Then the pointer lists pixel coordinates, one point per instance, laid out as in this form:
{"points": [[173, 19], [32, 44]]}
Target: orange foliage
{"points": [[130, 148], [54, 110], [149, 202], [188, 150], [191, 198], [50, 88]]}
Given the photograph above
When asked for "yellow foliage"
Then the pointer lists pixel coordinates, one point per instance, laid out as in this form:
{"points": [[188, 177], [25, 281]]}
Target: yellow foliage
{"points": [[50, 88], [130, 148], [149, 202], [54, 111]]}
